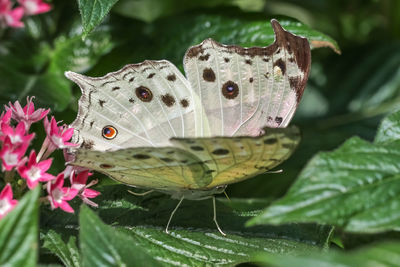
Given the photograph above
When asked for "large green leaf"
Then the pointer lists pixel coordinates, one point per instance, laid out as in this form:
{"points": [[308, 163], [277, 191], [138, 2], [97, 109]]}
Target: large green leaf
{"points": [[67, 252], [179, 33], [93, 12], [355, 187], [381, 254], [193, 238], [19, 232], [104, 246]]}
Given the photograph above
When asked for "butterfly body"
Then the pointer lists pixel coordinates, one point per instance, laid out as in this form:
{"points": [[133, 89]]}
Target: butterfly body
{"points": [[149, 126]]}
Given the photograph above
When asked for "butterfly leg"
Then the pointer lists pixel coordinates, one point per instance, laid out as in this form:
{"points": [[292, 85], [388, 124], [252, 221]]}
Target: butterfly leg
{"points": [[140, 194], [172, 214], [215, 217]]}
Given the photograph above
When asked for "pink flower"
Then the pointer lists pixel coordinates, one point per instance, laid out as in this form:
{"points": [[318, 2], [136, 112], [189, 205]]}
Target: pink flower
{"points": [[59, 195], [58, 135], [17, 136], [79, 182], [35, 172], [11, 155], [27, 114], [7, 203], [10, 17], [5, 117], [33, 7]]}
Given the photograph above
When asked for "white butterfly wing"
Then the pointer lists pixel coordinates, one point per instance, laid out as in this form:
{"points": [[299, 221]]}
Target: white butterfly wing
{"points": [[147, 103], [245, 89]]}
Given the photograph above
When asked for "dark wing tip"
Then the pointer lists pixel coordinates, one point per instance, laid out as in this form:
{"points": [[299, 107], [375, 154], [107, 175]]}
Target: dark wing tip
{"points": [[276, 26]]}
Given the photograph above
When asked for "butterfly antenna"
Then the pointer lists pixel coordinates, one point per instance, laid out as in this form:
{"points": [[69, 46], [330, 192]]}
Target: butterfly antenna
{"points": [[277, 171], [215, 217], [172, 214], [140, 194], [227, 195]]}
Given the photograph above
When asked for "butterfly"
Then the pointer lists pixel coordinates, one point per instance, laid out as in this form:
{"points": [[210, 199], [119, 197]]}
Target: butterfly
{"points": [[150, 127]]}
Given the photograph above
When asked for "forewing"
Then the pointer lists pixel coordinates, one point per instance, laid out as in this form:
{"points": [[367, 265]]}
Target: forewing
{"points": [[147, 103], [231, 160], [163, 168], [245, 89]]}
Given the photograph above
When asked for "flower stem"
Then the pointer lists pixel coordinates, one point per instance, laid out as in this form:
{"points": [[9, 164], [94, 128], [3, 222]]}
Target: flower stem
{"points": [[42, 149]]}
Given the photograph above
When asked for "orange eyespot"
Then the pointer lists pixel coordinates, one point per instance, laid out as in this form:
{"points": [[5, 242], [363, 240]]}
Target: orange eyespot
{"points": [[109, 132]]}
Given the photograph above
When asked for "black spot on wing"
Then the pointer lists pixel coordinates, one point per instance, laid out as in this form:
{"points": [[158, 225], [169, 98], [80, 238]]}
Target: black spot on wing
{"points": [[220, 152], [270, 141], [168, 100], [184, 103], [208, 75], [171, 77], [101, 102], [141, 156], [204, 57]]}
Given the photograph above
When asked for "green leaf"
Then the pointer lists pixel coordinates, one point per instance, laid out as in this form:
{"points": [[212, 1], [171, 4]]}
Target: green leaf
{"points": [[139, 224], [72, 53], [194, 239], [102, 245], [68, 253], [389, 129], [19, 232], [231, 28], [355, 187], [93, 12], [381, 254]]}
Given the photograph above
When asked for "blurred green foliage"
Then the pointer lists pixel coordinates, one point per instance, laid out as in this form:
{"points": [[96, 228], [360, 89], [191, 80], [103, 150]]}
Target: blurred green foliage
{"points": [[346, 95]]}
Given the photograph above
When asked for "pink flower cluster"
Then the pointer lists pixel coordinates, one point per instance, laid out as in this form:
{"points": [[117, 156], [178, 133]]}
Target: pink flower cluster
{"points": [[11, 13], [15, 140]]}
